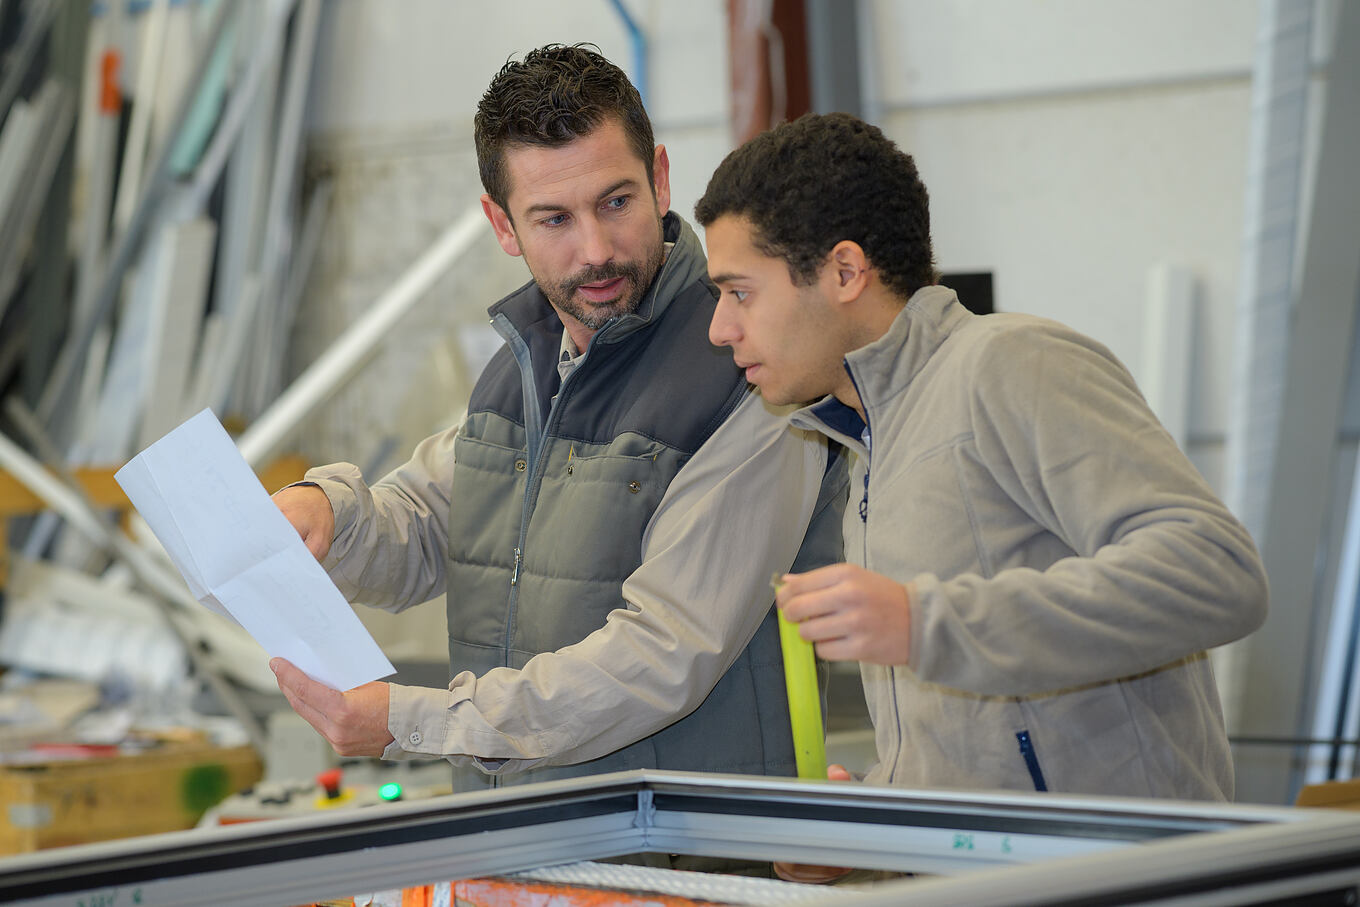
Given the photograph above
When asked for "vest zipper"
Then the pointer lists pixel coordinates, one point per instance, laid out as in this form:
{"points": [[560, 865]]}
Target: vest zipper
{"points": [[532, 477], [534, 424]]}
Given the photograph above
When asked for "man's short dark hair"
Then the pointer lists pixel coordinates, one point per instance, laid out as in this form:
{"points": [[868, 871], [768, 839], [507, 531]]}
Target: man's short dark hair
{"points": [[823, 178], [552, 97]]}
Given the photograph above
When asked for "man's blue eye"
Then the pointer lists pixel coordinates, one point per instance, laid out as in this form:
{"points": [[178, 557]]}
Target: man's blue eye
{"points": [[616, 202], [555, 221]]}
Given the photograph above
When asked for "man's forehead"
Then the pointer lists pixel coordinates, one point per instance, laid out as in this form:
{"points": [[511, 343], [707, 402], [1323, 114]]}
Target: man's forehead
{"points": [[590, 166], [730, 240]]}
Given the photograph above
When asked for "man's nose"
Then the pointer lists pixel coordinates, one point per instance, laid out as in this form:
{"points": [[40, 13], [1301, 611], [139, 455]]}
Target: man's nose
{"points": [[597, 247], [722, 330]]}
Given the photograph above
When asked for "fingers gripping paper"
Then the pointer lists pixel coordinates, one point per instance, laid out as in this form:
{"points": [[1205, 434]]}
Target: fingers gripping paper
{"points": [[241, 556]]}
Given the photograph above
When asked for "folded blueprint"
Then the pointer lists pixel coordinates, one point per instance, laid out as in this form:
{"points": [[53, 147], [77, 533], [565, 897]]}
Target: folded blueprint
{"points": [[241, 556]]}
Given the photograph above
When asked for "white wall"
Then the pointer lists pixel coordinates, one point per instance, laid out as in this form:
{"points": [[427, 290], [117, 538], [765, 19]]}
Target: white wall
{"points": [[387, 69], [964, 50], [1070, 147]]}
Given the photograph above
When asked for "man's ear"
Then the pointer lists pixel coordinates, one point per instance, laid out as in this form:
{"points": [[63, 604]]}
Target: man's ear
{"points": [[661, 179], [500, 222], [849, 269]]}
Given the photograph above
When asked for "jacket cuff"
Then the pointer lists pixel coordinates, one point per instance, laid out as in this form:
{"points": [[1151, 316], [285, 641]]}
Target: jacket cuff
{"points": [[418, 720], [332, 480]]}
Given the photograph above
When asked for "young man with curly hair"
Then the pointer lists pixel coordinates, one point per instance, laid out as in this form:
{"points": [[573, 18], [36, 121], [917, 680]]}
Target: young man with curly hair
{"points": [[605, 520], [1035, 570]]}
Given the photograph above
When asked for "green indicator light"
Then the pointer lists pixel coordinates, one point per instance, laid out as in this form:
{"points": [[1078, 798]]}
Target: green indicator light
{"points": [[390, 791]]}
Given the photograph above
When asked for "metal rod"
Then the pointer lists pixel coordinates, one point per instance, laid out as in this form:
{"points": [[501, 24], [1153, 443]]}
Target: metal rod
{"points": [[1237, 740], [278, 229], [338, 364], [126, 244], [148, 77], [35, 28], [638, 39]]}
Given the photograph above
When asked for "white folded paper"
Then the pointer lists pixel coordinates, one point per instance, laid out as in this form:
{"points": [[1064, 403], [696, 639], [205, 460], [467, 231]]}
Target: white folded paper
{"points": [[241, 556]]}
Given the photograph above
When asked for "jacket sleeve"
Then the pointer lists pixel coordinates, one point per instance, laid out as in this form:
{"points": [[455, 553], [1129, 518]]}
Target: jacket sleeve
{"points": [[732, 516], [1160, 569], [391, 538]]}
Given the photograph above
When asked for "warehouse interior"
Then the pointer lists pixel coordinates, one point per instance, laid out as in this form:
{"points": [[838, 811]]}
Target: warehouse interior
{"points": [[270, 209]]}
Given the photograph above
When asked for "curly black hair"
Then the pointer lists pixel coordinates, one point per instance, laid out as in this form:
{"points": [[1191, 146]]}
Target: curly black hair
{"points": [[552, 97], [823, 178]]}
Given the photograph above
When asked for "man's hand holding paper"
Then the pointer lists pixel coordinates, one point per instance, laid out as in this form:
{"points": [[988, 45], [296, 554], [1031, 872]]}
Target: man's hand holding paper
{"points": [[353, 722]]}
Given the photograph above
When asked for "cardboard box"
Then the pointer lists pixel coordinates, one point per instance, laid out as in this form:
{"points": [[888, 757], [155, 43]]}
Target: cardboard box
{"points": [[91, 796]]}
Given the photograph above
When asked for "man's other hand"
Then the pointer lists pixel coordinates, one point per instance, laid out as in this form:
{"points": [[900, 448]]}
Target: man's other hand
{"points": [[309, 510], [849, 613], [837, 772], [811, 873], [354, 722]]}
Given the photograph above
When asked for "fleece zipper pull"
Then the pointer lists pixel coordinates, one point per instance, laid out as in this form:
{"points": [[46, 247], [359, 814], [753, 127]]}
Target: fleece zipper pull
{"points": [[868, 448], [1031, 761], [864, 501]]}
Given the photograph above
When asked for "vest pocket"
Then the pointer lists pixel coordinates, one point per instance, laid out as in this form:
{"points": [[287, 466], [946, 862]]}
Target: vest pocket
{"points": [[587, 525], [632, 482], [1031, 761]]}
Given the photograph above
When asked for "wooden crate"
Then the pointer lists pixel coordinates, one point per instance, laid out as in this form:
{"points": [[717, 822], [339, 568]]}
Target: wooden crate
{"points": [[78, 800]]}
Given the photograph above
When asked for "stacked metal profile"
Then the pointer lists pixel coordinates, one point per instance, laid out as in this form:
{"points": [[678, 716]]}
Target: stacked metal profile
{"points": [[154, 242], [960, 848]]}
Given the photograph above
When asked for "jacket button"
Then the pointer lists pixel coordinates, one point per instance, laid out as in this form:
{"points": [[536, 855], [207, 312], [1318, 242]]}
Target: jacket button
{"points": [[415, 738], [634, 487], [569, 468], [520, 466]]}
